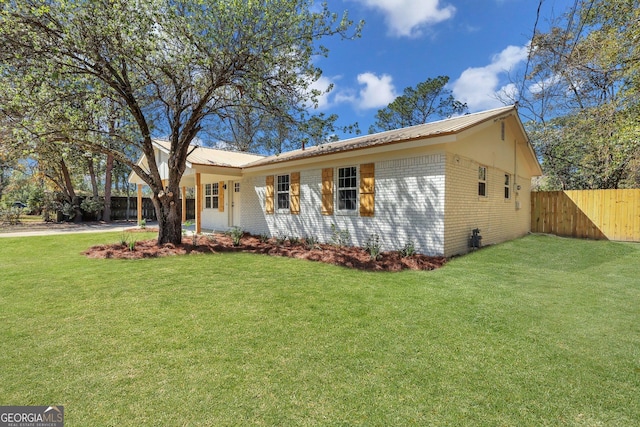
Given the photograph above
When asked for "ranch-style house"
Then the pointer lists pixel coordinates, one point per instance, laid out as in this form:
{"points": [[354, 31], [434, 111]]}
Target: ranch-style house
{"points": [[431, 184]]}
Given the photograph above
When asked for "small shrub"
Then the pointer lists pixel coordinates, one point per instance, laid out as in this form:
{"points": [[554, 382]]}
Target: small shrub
{"points": [[125, 237], [340, 237], [294, 240], [69, 210], [408, 249], [92, 205], [10, 215], [281, 239], [372, 246], [236, 234], [264, 238], [310, 242], [132, 245], [143, 223]]}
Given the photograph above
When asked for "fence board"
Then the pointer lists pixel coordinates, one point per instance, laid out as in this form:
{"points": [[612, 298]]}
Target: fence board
{"points": [[593, 214]]}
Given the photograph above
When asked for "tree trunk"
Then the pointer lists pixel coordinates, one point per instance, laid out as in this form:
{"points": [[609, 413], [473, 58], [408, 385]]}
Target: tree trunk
{"points": [[2, 183], [169, 216], [106, 214], [71, 194], [92, 176]]}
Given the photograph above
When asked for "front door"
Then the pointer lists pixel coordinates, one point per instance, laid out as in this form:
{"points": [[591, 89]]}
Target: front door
{"points": [[234, 193]]}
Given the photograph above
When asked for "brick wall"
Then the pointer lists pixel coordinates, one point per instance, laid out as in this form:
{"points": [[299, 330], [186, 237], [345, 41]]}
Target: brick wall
{"points": [[497, 218], [409, 205]]}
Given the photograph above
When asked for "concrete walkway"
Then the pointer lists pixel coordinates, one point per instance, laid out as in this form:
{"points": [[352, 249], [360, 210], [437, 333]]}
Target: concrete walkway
{"points": [[91, 227]]}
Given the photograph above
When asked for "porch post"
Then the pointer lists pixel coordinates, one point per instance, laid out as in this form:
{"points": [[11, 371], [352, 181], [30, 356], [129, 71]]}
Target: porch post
{"points": [[139, 203], [198, 203], [184, 204]]}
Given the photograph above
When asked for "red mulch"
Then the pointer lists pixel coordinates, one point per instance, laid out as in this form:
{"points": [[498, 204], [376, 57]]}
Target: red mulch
{"points": [[352, 257]]}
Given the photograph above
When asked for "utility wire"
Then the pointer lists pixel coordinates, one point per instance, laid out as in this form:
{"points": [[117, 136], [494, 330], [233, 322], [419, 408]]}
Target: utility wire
{"points": [[526, 68]]}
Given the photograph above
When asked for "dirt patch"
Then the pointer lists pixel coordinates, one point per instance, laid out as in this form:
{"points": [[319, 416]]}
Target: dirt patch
{"points": [[352, 257]]}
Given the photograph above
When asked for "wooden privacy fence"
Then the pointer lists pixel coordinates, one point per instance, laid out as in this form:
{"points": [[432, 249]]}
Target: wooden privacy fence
{"points": [[593, 214]]}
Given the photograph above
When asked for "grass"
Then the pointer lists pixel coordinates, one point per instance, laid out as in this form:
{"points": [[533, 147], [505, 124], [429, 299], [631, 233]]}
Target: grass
{"points": [[539, 331]]}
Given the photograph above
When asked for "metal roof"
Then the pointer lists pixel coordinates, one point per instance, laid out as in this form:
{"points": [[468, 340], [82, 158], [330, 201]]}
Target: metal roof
{"points": [[213, 157], [224, 158], [428, 130]]}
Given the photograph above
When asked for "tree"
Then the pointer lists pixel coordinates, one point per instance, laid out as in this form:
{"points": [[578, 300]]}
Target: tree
{"points": [[428, 100], [582, 98], [8, 161], [243, 128], [172, 64]]}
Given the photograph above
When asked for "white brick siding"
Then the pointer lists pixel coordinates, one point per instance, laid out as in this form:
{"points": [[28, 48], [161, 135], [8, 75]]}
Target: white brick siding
{"points": [[409, 205]]}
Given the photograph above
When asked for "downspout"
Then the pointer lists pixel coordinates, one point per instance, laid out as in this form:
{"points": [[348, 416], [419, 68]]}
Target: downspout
{"points": [[515, 173]]}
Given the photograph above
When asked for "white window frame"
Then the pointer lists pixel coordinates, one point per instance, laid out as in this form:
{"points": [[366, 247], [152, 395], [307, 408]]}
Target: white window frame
{"points": [[341, 187], [284, 192], [507, 186], [482, 182], [211, 195]]}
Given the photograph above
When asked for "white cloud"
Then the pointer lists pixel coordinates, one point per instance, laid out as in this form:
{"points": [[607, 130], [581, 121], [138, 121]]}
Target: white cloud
{"points": [[407, 18], [480, 87], [377, 92], [374, 92], [545, 84], [345, 97]]}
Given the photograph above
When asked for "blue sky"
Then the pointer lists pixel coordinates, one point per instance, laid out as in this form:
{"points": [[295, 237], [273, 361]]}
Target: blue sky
{"points": [[479, 44]]}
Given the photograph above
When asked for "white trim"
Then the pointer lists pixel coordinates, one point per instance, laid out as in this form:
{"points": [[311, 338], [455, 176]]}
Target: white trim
{"points": [[286, 192], [483, 180], [356, 188]]}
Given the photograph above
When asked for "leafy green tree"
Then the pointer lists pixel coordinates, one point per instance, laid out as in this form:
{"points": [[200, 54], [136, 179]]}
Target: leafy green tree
{"points": [[173, 65], [586, 150], [429, 100], [582, 97], [8, 163]]}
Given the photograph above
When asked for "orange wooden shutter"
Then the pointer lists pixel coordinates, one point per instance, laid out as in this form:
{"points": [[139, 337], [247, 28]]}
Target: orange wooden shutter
{"points": [[367, 189], [221, 196], [269, 195], [294, 190], [327, 191]]}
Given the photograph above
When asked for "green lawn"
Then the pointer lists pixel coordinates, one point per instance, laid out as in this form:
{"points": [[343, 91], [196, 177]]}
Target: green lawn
{"points": [[539, 331]]}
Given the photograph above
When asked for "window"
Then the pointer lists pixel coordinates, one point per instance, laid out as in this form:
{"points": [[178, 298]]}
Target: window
{"points": [[482, 181], [507, 186], [347, 189], [283, 191], [207, 196], [211, 196], [236, 187]]}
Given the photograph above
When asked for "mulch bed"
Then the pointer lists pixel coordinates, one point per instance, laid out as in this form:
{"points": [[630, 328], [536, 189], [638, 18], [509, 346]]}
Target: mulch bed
{"points": [[352, 257]]}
